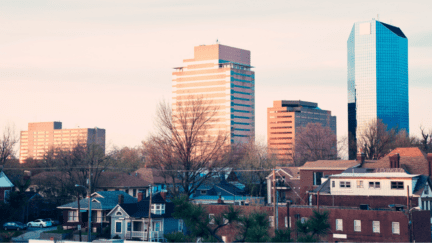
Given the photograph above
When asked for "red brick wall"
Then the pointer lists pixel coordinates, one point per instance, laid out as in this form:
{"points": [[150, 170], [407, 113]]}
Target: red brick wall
{"points": [[367, 216], [421, 226], [306, 181], [355, 201]]}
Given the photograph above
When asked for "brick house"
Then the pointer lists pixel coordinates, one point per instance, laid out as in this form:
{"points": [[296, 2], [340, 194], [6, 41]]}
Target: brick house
{"points": [[6, 186], [120, 181]]}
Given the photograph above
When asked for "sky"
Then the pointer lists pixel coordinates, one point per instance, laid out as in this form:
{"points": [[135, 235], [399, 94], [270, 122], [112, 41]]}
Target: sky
{"points": [[107, 64]]}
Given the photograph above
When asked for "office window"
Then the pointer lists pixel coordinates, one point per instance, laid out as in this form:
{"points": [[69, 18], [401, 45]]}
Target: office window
{"points": [[339, 225], [395, 228], [357, 225], [376, 226], [397, 185], [359, 184]]}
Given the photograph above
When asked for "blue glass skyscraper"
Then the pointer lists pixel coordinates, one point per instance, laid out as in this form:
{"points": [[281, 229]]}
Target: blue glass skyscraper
{"points": [[377, 77]]}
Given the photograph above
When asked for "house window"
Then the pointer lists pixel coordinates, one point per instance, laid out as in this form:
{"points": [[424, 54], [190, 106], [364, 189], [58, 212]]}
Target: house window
{"points": [[271, 221], [6, 195], [426, 190], [127, 191], [134, 192], [286, 222], [395, 228], [129, 226], [339, 225], [119, 213], [357, 225], [359, 184], [317, 178], [203, 192], [375, 185], [345, 184], [73, 216], [158, 209], [211, 218], [376, 226], [180, 227], [118, 227], [397, 185], [333, 184], [303, 220]]}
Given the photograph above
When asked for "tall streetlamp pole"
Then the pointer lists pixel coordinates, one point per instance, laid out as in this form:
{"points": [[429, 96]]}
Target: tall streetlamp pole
{"points": [[90, 214]]}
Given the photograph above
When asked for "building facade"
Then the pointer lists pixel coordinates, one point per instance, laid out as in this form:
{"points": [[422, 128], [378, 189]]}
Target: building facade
{"points": [[286, 116], [223, 75], [377, 77], [42, 136]]}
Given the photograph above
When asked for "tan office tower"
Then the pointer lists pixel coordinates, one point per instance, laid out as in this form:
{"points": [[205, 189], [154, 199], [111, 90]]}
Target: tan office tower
{"points": [[285, 117], [222, 74], [42, 136]]}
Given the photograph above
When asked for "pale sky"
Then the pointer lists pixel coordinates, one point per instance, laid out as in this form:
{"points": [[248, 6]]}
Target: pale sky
{"points": [[108, 63]]}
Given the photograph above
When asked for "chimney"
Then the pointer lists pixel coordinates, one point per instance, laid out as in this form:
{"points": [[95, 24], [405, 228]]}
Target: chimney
{"points": [[220, 201], [361, 157], [163, 195], [429, 159], [395, 161], [140, 196], [120, 199]]}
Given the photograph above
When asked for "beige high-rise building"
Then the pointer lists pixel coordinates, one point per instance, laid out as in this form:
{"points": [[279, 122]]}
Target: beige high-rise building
{"points": [[42, 136], [223, 75]]}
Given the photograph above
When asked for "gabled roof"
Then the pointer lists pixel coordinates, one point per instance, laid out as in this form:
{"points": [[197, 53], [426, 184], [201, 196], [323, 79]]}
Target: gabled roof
{"points": [[152, 175], [329, 165], [291, 172], [141, 209], [4, 180], [413, 160], [422, 181], [103, 200], [121, 179]]}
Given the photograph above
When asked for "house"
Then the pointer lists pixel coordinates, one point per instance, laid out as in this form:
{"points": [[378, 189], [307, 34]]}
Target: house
{"points": [[6, 186], [229, 193], [131, 220], [375, 188], [155, 178], [101, 204], [120, 181], [287, 186]]}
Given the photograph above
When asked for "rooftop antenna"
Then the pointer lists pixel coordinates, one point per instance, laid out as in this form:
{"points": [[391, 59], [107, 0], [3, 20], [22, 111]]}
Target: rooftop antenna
{"points": [[217, 41]]}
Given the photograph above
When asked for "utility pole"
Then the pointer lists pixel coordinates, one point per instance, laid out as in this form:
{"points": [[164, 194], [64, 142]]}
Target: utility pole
{"points": [[89, 214], [79, 217], [274, 196], [150, 206]]}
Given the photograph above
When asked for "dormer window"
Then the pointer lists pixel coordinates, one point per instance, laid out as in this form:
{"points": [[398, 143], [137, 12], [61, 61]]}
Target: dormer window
{"points": [[203, 192], [426, 190], [119, 213], [158, 209]]}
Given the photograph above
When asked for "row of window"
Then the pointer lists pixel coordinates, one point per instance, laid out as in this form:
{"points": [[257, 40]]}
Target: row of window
{"points": [[372, 184], [375, 226]]}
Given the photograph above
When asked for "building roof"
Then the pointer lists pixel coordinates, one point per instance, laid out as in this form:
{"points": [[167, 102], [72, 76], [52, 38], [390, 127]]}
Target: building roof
{"points": [[152, 175], [422, 181], [394, 29], [141, 209], [102, 200], [329, 165], [413, 160], [4, 180], [121, 179]]}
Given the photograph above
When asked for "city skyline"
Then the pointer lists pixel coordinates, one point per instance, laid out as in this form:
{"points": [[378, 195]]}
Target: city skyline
{"points": [[88, 65]]}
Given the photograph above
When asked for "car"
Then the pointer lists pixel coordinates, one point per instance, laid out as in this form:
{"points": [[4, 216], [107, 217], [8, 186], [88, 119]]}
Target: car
{"points": [[39, 223], [15, 225], [53, 222]]}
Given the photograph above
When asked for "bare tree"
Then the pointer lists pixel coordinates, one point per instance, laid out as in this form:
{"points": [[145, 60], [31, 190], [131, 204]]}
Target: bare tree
{"points": [[375, 140], [130, 158], [7, 142], [188, 147], [314, 142], [256, 163], [426, 140]]}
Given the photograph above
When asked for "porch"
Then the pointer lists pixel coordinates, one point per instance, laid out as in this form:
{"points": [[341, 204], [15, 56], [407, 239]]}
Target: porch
{"points": [[138, 229]]}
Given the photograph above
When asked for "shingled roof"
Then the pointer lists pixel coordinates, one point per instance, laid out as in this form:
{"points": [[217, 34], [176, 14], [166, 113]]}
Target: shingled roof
{"points": [[121, 179], [413, 160], [329, 164], [101, 200]]}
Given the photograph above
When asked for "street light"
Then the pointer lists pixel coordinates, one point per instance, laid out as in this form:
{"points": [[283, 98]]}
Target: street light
{"points": [[89, 215]]}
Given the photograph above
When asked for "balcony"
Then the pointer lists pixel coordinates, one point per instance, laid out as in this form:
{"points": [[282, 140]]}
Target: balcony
{"points": [[154, 235]]}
